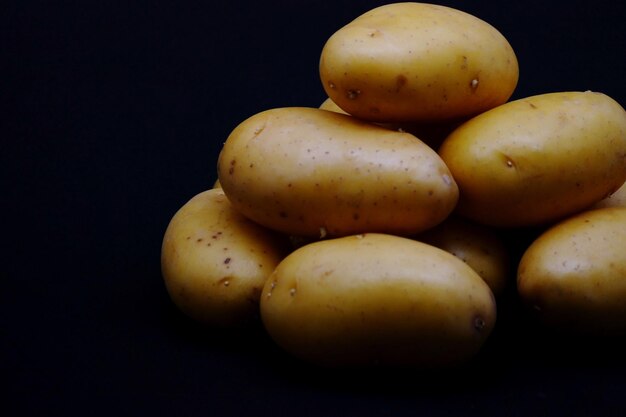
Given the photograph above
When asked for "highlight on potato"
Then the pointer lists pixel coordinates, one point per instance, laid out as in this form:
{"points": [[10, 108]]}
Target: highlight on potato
{"points": [[376, 228]]}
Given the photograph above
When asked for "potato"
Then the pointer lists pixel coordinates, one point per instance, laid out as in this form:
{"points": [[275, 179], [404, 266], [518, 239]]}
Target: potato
{"points": [[479, 246], [408, 62], [215, 261], [536, 160], [574, 275], [377, 299], [616, 199], [310, 172]]}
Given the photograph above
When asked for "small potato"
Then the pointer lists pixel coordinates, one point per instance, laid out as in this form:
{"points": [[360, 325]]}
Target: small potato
{"points": [[479, 246], [574, 275], [536, 160], [215, 261], [310, 172], [416, 62], [377, 299]]}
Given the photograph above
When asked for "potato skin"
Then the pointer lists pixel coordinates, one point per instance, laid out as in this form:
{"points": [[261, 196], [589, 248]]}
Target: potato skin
{"points": [[431, 133], [408, 62], [215, 262], [377, 299], [311, 172], [616, 199], [573, 277], [479, 246], [536, 160]]}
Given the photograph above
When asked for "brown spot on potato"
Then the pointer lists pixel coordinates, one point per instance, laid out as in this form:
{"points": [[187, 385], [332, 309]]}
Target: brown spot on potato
{"points": [[353, 94], [478, 323], [401, 81], [463, 62]]}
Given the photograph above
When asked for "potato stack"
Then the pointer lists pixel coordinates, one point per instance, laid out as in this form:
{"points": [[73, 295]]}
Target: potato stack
{"points": [[369, 231]]}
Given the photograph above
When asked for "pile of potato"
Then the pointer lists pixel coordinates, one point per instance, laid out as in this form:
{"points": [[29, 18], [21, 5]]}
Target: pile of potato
{"points": [[369, 230]]}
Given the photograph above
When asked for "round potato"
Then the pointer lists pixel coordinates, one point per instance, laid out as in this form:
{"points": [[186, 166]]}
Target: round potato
{"points": [[377, 299], [479, 246], [215, 261], [311, 172], [574, 275], [535, 160], [408, 62]]}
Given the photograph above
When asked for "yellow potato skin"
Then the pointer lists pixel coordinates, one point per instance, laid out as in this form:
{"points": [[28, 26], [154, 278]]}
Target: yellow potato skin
{"points": [[310, 172], [479, 246], [215, 262], [535, 160], [377, 299], [408, 62], [574, 275]]}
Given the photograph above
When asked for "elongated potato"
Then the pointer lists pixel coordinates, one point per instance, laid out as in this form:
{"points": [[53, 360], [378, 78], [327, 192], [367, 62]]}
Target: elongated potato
{"points": [[377, 299], [409, 62], [215, 261], [573, 277], [311, 172], [538, 159]]}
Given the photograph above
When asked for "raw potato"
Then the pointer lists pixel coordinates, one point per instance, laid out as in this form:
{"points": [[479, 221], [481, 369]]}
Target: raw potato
{"points": [[408, 62], [377, 299], [215, 261], [574, 275], [479, 246], [311, 172], [538, 159]]}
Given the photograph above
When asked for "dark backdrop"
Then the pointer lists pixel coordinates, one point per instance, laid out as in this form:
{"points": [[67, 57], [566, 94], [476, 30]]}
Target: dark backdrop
{"points": [[112, 117]]}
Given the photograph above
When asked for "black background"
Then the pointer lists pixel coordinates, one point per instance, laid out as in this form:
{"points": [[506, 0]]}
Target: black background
{"points": [[112, 117]]}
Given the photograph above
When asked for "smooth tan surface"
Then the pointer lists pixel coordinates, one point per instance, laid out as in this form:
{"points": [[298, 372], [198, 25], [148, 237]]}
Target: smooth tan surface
{"points": [[538, 159], [215, 261], [311, 172], [574, 275], [377, 299], [407, 62]]}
